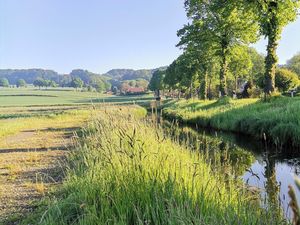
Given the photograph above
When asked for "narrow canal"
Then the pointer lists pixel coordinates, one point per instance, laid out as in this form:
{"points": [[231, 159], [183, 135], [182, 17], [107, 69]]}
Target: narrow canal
{"points": [[265, 169]]}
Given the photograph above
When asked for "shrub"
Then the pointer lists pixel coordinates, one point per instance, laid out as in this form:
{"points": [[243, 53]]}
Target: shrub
{"points": [[286, 80]]}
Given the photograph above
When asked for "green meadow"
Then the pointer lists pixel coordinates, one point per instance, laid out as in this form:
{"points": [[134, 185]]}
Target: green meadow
{"points": [[60, 96]]}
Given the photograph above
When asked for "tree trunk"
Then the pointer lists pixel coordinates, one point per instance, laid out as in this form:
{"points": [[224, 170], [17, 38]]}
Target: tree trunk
{"points": [[191, 89], [223, 71], [204, 94], [209, 89], [236, 84], [271, 59]]}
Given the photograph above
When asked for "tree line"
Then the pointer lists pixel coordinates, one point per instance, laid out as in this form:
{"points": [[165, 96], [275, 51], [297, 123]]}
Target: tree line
{"points": [[217, 60]]}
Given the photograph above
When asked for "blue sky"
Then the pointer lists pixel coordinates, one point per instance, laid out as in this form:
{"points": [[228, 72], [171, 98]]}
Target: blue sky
{"points": [[99, 35]]}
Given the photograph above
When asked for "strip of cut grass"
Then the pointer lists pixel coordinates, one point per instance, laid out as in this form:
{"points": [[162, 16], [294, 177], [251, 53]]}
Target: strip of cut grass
{"points": [[13, 126], [277, 120], [125, 171]]}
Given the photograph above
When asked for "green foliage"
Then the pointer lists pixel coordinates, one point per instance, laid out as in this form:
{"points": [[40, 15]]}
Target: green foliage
{"points": [[4, 82], [273, 16], [258, 64], [294, 64], [294, 201], [142, 83], [21, 83], [29, 75], [120, 176], [156, 82], [76, 83], [128, 74], [224, 26], [278, 120], [240, 65], [286, 80], [98, 83], [84, 75], [40, 82]]}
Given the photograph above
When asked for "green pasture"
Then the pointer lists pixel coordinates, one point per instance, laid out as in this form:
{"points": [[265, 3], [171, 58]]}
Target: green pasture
{"points": [[62, 96]]}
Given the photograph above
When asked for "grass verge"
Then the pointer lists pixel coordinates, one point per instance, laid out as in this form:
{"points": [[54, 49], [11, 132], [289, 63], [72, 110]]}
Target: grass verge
{"points": [[277, 121]]}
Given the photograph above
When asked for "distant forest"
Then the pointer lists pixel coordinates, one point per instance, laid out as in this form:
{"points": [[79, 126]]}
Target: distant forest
{"points": [[116, 80]]}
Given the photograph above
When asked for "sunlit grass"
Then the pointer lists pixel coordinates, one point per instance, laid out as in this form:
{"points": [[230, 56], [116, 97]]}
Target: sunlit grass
{"points": [[125, 171], [277, 120], [13, 126]]}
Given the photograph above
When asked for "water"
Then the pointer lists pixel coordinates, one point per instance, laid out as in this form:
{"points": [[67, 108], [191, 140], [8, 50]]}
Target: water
{"points": [[266, 168]]}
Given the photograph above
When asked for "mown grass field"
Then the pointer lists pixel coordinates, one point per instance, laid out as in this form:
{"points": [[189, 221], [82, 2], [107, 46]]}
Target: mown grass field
{"points": [[60, 96], [36, 134], [277, 120], [33, 143], [125, 171]]}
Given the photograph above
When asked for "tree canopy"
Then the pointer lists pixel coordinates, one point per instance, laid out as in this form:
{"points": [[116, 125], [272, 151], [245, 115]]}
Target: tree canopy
{"points": [[294, 64], [21, 83], [4, 82], [273, 16], [222, 25]]}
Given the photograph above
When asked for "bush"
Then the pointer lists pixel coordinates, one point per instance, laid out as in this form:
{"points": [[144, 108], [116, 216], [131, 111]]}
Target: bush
{"points": [[286, 80]]}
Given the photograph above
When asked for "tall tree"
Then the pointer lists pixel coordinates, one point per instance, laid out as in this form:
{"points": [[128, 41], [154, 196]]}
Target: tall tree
{"points": [[258, 64], [156, 82], [21, 83], [225, 24], [77, 83], [273, 16], [4, 82], [240, 65], [202, 52]]}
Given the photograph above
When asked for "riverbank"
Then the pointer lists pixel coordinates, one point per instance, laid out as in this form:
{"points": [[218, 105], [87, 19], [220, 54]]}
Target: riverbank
{"points": [[276, 121], [126, 171]]}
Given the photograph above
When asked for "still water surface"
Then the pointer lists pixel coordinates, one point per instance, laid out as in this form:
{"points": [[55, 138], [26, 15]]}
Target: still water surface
{"points": [[268, 169]]}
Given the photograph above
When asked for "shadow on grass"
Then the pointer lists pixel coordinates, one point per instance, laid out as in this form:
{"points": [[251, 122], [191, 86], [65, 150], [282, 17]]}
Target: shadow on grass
{"points": [[14, 150], [275, 121], [117, 99]]}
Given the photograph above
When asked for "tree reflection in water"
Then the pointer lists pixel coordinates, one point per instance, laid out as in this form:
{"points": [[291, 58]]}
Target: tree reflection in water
{"points": [[243, 158]]}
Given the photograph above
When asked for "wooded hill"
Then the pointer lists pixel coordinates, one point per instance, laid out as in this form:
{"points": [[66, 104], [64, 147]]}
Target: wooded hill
{"points": [[30, 75]]}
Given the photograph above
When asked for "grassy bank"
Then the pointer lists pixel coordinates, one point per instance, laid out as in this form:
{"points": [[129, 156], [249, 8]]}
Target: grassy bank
{"points": [[125, 171], [277, 121]]}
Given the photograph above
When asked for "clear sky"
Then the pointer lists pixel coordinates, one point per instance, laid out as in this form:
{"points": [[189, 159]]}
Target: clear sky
{"points": [[99, 35]]}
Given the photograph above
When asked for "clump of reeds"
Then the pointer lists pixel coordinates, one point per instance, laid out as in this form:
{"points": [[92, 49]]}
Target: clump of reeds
{"points": [[293, 203]]}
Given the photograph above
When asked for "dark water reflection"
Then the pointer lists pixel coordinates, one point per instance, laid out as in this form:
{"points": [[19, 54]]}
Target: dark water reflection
{"points": [[268, 169]]}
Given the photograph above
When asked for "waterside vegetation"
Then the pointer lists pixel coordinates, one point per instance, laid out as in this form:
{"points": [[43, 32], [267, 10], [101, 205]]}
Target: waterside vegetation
{"points": [[125, 171], [276, 121]]}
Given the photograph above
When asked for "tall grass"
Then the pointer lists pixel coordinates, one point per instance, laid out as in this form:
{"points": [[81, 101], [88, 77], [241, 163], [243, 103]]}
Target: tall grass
{"points": [[277, 121], [125, 171]]}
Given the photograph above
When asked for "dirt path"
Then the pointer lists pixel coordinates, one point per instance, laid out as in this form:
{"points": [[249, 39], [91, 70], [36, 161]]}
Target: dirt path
{"points": [[30, 165]]}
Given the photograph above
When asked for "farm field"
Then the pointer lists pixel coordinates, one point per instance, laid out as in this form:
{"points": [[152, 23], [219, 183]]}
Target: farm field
{"points": [[32, 150], [37, 132], [62, 96]]}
